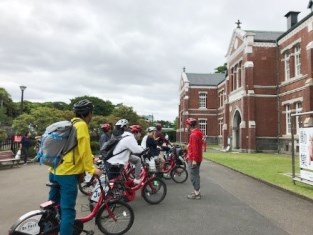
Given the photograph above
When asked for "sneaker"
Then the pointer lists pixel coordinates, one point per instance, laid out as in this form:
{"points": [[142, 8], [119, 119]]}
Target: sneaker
{"points": [[136, 181], [194, 196]]}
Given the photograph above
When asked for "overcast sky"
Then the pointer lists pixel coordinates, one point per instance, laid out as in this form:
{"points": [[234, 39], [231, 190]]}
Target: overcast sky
{"points": [[125, 51]]}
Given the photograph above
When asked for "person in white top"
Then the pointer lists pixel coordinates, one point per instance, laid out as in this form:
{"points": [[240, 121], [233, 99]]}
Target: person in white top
{"points": [[126, 146]]}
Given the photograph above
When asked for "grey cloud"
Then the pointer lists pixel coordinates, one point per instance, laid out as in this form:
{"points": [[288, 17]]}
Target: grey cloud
{"points": [[129, 51]]}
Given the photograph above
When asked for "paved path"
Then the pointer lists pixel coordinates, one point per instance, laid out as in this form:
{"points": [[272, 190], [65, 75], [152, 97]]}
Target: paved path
{"points": [[232, 204]]}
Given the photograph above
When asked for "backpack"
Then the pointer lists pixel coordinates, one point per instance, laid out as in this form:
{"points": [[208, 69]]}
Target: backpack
{"points": [[108, 147], [58, 139]]}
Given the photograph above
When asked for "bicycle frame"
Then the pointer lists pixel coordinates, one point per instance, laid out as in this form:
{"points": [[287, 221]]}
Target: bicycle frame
{"points": [[101, 201], [128, 183]]}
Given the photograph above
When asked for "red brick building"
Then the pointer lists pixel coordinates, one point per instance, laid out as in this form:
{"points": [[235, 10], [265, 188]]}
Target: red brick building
{"points": [[269, 77]]}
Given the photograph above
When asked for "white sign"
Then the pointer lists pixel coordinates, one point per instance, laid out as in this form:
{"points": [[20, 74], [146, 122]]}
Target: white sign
{"points": [[306, 153]]}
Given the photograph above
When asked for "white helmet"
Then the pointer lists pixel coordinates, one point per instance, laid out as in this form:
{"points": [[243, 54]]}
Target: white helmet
{"points": [[151, 128], [121, 123]]}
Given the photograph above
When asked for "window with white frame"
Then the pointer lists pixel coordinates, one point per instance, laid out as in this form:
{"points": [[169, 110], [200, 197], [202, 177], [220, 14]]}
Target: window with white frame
{"points": [[202, 100], [220, 124], [221, 98], [297, 60], [287, 66], [203, 126], [288, 119], [298, 110]]}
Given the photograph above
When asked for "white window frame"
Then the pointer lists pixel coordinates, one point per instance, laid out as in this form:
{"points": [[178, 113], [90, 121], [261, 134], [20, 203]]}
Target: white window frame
{"points": [[221, 98], [298, 110], [287, 66], [297, 60], [202, 100], [203, 126], [220, 124], [288, 119]]}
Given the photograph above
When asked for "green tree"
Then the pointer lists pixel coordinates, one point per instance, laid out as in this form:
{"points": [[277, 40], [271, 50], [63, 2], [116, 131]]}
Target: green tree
{"points": [[221, 69], [57, 105], [39, 118], [122, 111], [7, 108], [102, 107]]}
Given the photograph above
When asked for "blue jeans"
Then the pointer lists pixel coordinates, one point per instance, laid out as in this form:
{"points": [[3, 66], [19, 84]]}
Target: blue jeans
{"points": [[194, 175], [66, 196]]}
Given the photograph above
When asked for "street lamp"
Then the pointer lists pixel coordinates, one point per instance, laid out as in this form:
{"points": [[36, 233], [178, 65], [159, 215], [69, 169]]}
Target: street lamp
{"points": [[22, 97]]}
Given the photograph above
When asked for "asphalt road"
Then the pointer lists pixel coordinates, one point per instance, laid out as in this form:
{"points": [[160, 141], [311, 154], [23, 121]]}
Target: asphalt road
{"points": [[231, 204]]}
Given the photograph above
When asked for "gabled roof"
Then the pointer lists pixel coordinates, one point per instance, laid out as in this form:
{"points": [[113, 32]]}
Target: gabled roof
{"points": [[211, 79], [265, 36]]}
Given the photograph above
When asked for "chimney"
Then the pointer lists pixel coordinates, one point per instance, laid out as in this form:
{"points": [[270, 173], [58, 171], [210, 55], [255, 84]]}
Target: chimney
{"points": [[292, 18], [310, 6]]}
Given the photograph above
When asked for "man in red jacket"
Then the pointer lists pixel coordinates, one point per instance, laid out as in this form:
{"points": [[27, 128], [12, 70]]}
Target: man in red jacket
{"points": [[194, 156]]}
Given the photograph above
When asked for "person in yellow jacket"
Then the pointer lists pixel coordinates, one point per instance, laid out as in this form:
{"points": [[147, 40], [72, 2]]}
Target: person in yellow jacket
{"points": [[74, 163]]}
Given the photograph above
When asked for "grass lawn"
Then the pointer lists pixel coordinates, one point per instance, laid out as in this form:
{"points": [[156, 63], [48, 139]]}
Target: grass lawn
{"points": [[267, 167]]}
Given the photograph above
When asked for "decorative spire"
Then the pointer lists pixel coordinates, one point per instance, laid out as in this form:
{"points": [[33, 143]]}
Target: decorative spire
{"points": [[238, 23]]}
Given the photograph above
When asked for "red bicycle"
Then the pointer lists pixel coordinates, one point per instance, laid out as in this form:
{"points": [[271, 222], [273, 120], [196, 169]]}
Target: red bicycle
{"points": [[175, 166], [111, 217], [153, 189]]}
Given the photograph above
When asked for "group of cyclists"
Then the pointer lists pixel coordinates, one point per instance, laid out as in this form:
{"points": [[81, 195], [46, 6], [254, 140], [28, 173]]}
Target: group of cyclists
{"points": [[80, 159], [127, 149]]}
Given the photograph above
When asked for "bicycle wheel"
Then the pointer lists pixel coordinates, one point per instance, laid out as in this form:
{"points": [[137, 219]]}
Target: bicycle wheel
{"points": [[116, 220], [179, 174], [85, 187], [35, 222], [154, 191]]}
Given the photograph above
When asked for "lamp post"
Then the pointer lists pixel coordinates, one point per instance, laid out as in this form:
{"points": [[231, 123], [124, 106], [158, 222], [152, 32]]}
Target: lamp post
{"points": [[22, 97]]}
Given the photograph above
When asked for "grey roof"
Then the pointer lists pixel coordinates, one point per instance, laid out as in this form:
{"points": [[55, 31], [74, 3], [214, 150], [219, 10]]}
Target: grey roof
{"points": [[265, 36], [211, 79]]}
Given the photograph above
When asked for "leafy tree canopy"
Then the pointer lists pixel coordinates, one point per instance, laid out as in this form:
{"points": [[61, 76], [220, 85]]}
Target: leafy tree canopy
{"points": [[221, 69], [7, 108], [39, 118]]}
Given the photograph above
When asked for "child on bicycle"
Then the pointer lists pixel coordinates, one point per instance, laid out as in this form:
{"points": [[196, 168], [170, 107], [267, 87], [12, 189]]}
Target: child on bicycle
{"points": [[154, 148]]}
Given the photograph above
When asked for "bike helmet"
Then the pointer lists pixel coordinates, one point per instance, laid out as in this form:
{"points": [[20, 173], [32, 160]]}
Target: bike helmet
{"points": [[135, 129], [121, 123], [83, 107], [151, 128], [158, 126], [191, 121], [105, 127]]}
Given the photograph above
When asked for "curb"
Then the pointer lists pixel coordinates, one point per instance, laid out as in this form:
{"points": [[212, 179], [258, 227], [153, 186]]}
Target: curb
{"points": [[267, 183]]}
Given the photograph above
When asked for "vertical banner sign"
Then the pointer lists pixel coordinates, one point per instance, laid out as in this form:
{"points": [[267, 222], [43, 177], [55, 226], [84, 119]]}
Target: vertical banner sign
{"points": [[306, 153]]}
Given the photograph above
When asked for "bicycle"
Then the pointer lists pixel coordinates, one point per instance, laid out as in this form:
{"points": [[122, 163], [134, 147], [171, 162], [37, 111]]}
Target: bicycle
{"points": [[153, 189], [111, 217], [174, 167]]}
